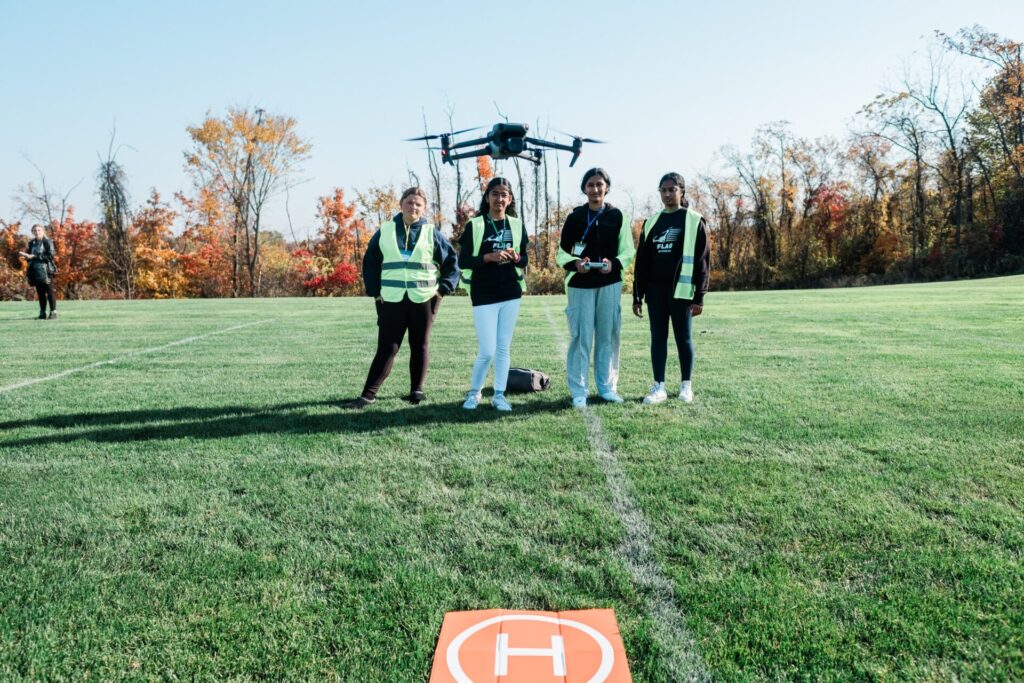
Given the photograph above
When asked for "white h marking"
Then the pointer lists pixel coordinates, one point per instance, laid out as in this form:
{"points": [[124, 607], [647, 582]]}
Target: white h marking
{"points": [[503, 652]]}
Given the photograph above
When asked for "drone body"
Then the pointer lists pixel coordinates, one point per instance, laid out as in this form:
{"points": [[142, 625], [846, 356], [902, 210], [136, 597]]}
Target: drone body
{"points": [[504, 141]]}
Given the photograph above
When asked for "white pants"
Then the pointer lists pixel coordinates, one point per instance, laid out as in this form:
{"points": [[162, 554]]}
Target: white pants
{"points": [[595, 322], [495, 324]]}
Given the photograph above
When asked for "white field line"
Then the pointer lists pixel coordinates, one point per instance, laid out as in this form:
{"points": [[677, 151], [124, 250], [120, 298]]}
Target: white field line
{"points": [[636, 551], [133, 354]]}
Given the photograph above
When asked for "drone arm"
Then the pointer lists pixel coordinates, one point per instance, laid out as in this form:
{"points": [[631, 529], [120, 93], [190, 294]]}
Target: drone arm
{"points": [[552, 145], [468, 155], [535, 158], [469, 143]]}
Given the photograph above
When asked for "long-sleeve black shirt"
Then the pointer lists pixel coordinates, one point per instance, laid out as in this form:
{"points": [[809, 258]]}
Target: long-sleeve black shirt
{"points": [[444, 256], [660, 254], [601, 241], [492, 282], [43, 253]]}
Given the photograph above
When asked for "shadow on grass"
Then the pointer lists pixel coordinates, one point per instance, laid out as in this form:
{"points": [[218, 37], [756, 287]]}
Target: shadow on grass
{"points": [[227, 422]]}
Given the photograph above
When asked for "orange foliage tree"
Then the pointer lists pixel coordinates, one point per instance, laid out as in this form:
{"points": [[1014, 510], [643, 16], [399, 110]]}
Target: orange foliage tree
{"points": [[158, 274], [79, 257], [245, 158], [12, 271], [204, 248]]}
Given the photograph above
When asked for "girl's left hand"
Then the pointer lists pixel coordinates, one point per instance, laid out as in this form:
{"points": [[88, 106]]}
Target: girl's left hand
{"points": [[607, 266], [696, 309]]}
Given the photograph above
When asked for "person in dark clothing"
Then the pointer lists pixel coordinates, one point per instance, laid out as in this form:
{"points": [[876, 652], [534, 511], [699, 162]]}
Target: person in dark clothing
{"points": [[672, 275], [408, 266], [492, 257], [41, 269], [595, 247]]}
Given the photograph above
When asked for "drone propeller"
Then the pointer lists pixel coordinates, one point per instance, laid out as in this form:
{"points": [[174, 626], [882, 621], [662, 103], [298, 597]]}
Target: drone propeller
{"points": [[581, 139], [442, 135]]}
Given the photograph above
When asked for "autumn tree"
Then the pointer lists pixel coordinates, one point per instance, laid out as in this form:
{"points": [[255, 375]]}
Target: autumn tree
{"points": [[12, 267], [158, 273], [79, 256], [246, 158], [341, 231], [204, 248]]}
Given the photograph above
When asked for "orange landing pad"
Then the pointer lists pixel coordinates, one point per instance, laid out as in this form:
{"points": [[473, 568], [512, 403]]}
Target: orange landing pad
{"points": [[499, 646]]}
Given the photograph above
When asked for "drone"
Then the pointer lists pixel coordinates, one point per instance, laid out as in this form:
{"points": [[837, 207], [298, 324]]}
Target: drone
{"points": [[504, 141]]}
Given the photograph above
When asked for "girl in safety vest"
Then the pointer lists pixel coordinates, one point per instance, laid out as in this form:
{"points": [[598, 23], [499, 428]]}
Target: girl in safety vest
{"points": [[408, 266], [672, 267], [595, 248], [492, 256]]}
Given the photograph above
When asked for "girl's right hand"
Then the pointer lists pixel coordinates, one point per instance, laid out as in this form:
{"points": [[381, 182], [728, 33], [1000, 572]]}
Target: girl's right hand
{"points": [[581, 265]]}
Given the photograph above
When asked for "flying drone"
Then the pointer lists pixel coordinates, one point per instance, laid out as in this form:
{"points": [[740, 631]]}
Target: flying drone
{"points": [[504, 141]]}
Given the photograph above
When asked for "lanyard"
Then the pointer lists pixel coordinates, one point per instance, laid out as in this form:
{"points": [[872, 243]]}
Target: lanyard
{"points": [[408, 234], [591, 221]]}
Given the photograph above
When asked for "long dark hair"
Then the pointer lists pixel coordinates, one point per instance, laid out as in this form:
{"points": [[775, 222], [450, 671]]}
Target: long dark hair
{"points": [[498, 181]]}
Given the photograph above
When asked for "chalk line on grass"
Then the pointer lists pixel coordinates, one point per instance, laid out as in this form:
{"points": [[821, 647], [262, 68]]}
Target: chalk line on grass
{"points": [[637, 553], [133, 354]]}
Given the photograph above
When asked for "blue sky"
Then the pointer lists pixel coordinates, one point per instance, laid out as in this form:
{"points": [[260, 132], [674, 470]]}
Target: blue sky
{"points": [[667, 84]]}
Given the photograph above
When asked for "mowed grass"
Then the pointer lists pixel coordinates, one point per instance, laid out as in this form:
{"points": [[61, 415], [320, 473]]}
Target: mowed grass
{"points": [[842, 500]]}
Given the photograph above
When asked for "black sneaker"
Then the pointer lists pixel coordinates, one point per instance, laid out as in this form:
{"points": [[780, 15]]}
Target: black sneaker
{"points": [[53, 315], [359, 403], [415, 397], [42, 316]]}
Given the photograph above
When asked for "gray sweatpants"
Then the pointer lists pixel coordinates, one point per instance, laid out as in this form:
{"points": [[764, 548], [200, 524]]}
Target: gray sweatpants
{"points": [[595, 321]]}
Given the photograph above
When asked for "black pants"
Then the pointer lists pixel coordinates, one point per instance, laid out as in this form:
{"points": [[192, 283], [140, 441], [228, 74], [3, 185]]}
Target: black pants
{"points": [[661, 306], [46, 293], [393, 320]]}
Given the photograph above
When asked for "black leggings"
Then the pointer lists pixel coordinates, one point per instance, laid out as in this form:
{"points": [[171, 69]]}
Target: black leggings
{"points": [[394, 320], [661, 306], [46, 293]]}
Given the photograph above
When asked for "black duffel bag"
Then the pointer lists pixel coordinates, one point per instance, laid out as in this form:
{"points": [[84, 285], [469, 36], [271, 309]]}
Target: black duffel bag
{"points": [[523, 380]]}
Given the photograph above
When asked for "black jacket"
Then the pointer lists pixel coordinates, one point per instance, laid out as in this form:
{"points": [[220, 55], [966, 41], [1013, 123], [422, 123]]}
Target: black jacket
{"points": [[39, 265], [444, 256], [601, 240]]}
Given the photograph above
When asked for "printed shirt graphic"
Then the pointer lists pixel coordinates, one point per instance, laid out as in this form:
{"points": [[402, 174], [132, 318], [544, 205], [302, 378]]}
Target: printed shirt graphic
{"points": [[493, 243], [666, 243]]}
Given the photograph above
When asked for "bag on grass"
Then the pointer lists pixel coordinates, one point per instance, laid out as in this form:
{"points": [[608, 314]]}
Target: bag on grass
{"points": [[522, 380]]}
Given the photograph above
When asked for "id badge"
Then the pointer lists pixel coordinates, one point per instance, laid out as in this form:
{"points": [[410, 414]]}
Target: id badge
{"points": [[577, 249]]}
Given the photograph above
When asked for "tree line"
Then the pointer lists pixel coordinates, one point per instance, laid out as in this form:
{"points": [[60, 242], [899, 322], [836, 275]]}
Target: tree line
{"points": [[928, 183]]}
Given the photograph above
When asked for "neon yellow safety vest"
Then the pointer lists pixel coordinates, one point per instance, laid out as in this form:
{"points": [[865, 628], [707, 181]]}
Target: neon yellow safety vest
{"points": [[411, 273], [685, 286], [626, 249], [477, 224]]}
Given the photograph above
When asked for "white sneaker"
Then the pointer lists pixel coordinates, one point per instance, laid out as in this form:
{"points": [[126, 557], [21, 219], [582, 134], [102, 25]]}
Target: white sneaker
{"points": [[501, 403], [579, 402], [612, 397], [685, 393], [472, 400], [657, 394]]}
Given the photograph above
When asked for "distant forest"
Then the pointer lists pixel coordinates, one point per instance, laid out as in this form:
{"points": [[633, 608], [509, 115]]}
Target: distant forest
{"points": [[928, 184]]}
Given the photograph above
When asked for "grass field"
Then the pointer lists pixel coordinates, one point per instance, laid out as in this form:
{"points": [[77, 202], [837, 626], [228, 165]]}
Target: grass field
{"points": [[842, 501]]}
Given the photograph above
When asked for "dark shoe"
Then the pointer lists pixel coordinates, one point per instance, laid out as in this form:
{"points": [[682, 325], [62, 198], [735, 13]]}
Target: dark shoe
{"points": [[415, 397], [42, 316], [53, 315], [359, 403]]}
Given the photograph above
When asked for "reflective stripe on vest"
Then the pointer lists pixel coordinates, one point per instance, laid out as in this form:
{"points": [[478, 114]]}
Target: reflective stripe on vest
{"points": [[411, 273], [478, 227], [685, 287]]}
